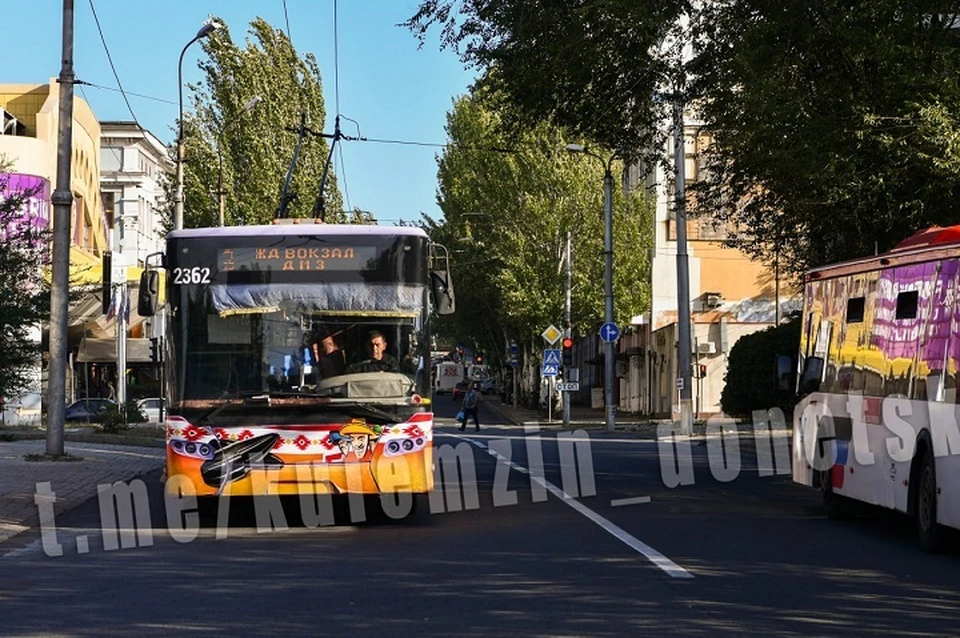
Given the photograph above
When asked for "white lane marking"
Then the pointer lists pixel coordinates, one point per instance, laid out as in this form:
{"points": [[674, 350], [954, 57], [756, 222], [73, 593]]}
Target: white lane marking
{"points": [[635, 500], [655, 557]]}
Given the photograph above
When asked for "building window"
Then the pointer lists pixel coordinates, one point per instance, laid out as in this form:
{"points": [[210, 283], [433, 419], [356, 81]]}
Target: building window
{"points": [[111, 158], [907, 304], [109, 207], [855, 308]]}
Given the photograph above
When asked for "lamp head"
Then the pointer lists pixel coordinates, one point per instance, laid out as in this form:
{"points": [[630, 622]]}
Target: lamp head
{"points": [[208, 27], [576, 148]]}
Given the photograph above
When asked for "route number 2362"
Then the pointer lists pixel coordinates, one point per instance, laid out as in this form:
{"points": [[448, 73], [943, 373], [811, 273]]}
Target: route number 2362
{"points": [[191, 275]]}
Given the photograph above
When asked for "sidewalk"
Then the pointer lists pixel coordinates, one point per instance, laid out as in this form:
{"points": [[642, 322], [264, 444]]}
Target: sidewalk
{"points": [[641, 426], [73, 481], [580, 417]]}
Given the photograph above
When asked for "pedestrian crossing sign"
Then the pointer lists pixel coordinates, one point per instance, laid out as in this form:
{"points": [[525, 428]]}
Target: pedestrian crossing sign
{"points": [[551, 356]]}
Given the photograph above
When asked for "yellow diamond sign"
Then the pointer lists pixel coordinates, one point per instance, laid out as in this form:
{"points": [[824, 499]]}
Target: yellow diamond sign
{"points": [[551, 334]]}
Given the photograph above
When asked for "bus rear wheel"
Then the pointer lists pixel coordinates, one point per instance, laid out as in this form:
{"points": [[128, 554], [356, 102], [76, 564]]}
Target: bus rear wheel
{"points": [[927, 529]]}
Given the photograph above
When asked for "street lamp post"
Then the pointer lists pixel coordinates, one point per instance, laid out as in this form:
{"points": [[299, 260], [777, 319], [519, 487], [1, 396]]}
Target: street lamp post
{"points": [[220, 191], [608, 351], [204, 31]]}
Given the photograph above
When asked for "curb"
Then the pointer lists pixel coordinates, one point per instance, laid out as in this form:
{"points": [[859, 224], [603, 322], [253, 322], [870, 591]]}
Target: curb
{"points": [[130, 440]]}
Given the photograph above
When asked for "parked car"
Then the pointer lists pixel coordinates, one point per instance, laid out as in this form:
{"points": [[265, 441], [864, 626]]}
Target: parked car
{"points": [[460, 389], [488, 386], [89, 410], [150, 408]]}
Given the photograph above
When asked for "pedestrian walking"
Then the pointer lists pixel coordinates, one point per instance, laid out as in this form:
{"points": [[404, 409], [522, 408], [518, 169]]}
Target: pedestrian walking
{"points": [[471, 407]]}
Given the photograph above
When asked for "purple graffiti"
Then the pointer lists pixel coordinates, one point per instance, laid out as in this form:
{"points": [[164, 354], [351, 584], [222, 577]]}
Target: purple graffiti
{"points": [[34, 213]]}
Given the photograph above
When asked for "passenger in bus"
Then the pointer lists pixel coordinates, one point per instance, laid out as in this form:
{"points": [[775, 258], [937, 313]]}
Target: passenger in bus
{"points": [[379, 360], [332, 361]]}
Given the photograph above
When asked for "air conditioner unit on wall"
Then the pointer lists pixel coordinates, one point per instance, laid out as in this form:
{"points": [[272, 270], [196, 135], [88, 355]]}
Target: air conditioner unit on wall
{"points": [[706, 347], [712, 301]]}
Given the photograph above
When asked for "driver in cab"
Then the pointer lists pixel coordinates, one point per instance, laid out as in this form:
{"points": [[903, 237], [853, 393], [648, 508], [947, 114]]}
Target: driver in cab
{"points": [[379, 359]]}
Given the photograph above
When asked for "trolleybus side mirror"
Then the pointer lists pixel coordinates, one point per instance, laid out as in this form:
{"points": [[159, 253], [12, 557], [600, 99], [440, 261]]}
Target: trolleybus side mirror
{"points": [[786, 380], [149, 293], [441, 287], [812, 375]]}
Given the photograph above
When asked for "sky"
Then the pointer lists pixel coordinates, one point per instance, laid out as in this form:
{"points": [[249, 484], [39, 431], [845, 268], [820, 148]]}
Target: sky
{"points": [[393, 88]]}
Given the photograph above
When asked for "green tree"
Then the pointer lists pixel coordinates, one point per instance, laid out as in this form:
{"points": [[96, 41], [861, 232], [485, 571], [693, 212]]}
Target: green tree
{"points": [[591, 66], [834, 123], [751, 370], [509, 197], [256, 145], [24, 292]]}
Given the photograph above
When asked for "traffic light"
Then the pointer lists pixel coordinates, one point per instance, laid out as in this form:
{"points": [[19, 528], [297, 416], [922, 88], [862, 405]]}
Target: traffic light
{"points": [[155, 349], [702, 371], [567, 346]]}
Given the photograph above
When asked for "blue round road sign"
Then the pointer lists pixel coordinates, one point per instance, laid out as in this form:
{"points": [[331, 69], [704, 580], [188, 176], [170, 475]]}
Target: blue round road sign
{"points": [[609, 332]]}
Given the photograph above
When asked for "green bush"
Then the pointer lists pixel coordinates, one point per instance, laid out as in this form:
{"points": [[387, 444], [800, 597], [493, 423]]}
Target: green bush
{"points": [[750, 383], [117, 418]]}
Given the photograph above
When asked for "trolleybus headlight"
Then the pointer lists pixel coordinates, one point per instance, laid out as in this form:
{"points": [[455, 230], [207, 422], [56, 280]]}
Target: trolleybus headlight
{"points": [[407, 445], [393, 446]]}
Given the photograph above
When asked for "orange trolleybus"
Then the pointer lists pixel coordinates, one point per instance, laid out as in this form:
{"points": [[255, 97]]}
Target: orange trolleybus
{"points": [[296, 358]]}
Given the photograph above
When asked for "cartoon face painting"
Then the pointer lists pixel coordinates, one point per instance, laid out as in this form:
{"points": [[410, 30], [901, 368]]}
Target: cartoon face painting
{"points": [[356, 440]]}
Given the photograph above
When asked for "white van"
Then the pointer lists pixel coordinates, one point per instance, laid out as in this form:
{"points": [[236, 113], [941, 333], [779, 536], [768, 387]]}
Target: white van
{"points": [[446, 377]]}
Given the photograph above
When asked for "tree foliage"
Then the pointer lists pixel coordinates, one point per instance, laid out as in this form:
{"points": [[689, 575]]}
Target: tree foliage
{"points": [[508, 201], [592, 66], [255, 146], [835, 122], [24, 292], [751, 370]]}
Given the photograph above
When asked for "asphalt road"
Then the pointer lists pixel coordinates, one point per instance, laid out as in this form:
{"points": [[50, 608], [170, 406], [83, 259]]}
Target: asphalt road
{"points": [[629, 556]]}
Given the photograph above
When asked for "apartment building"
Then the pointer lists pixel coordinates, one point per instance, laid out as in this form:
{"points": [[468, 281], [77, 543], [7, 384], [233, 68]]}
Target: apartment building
{"points": [[730, 296], [29, 115]]}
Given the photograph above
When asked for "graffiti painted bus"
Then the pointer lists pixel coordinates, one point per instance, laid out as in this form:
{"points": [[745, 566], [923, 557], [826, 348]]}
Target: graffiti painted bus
{"points": [[878, 378], [295, 358]]}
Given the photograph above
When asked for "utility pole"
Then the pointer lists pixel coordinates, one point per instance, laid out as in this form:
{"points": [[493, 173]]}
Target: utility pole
{"points": [[567, 332], [123, 307], [62, 204], [684, 342]]}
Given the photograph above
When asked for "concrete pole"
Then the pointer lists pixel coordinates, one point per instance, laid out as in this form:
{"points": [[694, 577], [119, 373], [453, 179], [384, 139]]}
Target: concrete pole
{"points": [[608, 362], [120, 276], [567, 328], [62, 206], [684, 343]]}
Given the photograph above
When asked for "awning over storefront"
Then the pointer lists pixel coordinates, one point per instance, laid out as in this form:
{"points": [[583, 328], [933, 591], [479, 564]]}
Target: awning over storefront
{"points": [[105, 351]]}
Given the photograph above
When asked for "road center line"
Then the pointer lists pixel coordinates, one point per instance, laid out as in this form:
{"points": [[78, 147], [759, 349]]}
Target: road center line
{"points": [[655, 557]]}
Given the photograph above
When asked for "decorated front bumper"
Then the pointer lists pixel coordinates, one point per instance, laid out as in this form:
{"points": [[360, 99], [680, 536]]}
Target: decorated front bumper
{"points": [[327, 458]]}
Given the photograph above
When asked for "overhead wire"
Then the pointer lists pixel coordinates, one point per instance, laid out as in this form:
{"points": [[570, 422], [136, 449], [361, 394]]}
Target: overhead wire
{"points": [[286, 19], [113, 68]]}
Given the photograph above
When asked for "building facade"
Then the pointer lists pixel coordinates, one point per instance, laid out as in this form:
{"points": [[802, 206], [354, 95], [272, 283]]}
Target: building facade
{"points": [[29, 114], [730, 296]]}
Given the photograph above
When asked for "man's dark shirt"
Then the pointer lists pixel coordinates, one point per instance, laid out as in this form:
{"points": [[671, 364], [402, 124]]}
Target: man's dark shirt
{"points": [[332, 364], [386, 364]]}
